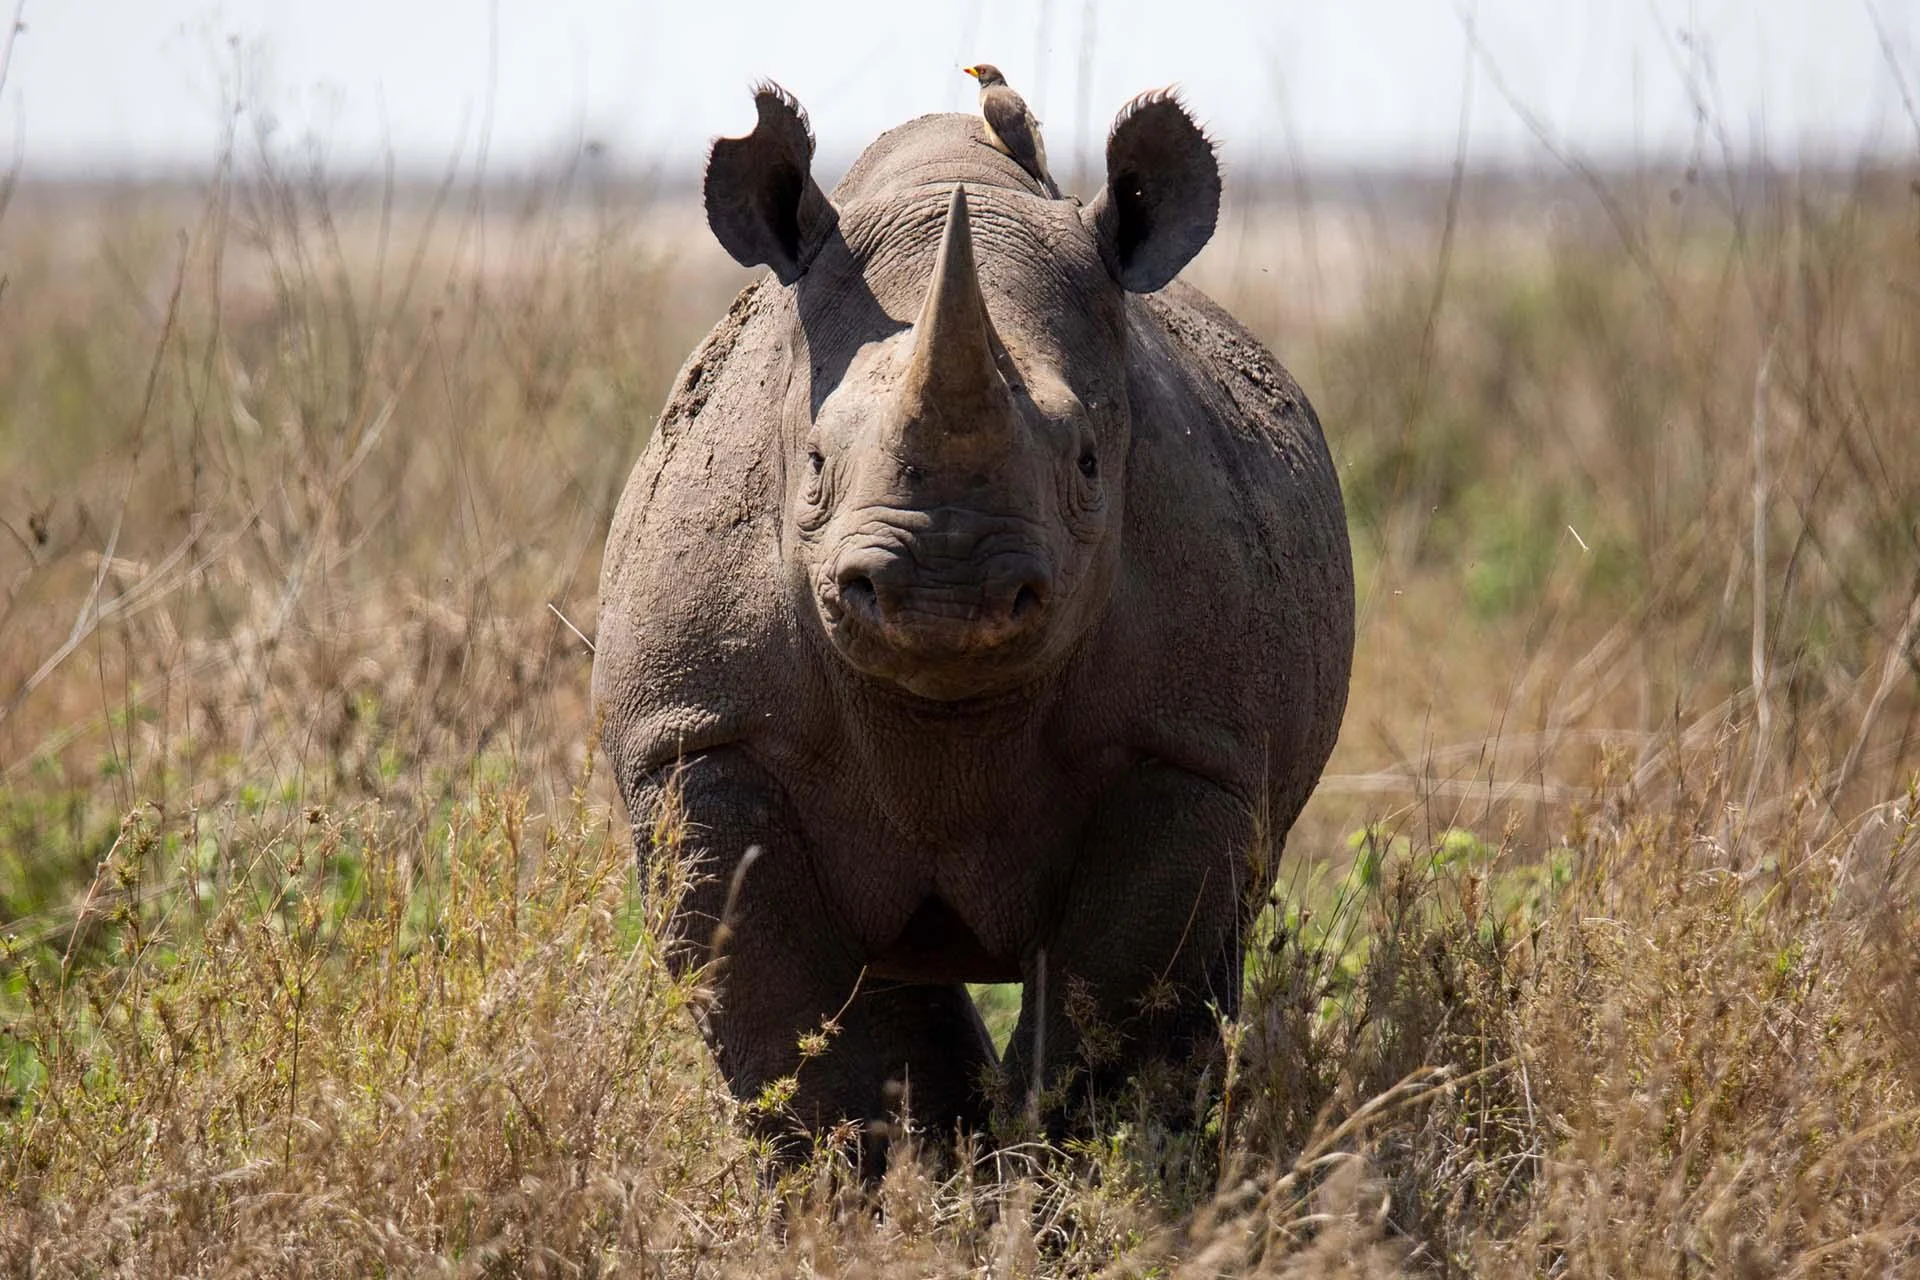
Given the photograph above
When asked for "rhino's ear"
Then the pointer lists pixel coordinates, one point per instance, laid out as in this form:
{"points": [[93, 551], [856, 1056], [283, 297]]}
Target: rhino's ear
{"points": [[762, 202], [1162, 194]]}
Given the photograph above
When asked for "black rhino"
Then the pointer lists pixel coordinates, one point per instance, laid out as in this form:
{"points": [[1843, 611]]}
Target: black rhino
{"points": [[993, 589]]}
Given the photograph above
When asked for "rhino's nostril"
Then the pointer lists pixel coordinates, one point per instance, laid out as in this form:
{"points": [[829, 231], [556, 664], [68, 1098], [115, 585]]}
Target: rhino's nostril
{"points": [[1026, 602], [857, 594]]}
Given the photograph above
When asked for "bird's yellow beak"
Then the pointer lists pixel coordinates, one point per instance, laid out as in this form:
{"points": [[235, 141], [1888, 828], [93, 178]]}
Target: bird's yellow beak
{"points": [[972, 71]]}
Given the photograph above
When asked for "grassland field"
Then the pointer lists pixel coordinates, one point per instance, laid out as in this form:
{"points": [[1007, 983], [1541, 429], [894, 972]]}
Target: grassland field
{"points": [[322, 948]]}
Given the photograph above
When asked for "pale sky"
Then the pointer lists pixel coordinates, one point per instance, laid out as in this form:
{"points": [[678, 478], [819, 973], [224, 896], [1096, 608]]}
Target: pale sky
{"points": [[109, 84]]}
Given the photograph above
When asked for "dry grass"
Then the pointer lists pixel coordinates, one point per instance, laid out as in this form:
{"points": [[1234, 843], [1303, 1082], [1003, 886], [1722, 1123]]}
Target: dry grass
{"points": [[1592, 957]]}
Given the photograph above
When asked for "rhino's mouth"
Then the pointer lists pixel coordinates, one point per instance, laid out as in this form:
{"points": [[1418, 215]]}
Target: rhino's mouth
{"points": [[941, 629]]}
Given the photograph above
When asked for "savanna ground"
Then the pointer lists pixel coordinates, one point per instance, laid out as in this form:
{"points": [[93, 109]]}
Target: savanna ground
{"points": [[323, 947]]}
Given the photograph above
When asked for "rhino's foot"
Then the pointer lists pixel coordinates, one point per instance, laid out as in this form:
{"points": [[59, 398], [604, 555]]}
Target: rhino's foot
{"points": [[900, 1063]]}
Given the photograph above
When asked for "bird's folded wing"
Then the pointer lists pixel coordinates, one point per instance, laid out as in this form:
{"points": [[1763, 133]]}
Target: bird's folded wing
{"points": [[1006, 114]]}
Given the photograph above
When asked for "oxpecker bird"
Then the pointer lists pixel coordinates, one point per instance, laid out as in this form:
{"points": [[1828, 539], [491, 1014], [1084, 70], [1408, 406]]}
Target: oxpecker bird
{"points": [[1011, 128]]}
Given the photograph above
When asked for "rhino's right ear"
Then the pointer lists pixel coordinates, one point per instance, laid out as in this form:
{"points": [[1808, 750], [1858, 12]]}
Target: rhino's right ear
{"points": [[1162, 194], [762, 202]]}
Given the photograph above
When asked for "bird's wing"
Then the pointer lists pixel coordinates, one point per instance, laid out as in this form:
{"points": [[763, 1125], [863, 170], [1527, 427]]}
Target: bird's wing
{"points": [[1006, 114]]}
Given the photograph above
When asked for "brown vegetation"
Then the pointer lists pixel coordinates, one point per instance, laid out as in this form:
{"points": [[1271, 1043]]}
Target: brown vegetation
{"points": [[1593, 956]]}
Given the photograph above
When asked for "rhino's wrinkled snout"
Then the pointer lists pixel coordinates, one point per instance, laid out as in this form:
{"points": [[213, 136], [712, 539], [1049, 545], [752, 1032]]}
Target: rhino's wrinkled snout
{"points": [[886, 593], [883, 596]]}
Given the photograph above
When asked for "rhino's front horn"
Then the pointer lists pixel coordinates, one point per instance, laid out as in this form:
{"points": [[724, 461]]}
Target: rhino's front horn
{"points": [[952, 383]]}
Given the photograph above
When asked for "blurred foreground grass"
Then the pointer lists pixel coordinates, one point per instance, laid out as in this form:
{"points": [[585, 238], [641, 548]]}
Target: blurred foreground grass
{"points": [[1593, 955]]}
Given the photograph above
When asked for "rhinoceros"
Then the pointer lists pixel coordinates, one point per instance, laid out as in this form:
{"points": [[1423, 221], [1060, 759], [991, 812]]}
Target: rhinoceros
{"points": [[980, 610]]}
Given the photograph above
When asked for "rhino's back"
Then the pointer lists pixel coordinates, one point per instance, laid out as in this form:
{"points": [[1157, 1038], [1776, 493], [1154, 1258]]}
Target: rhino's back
{"points": [[1232, 624]]}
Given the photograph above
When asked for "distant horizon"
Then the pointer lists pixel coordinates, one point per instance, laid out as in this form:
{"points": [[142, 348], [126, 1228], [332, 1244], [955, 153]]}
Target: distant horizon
{"points": [[1374, 85], [684, 176]]}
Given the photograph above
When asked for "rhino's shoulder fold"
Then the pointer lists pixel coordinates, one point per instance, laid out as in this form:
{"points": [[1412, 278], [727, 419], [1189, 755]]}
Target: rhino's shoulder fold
{"points": [[691, 615], [694, 385], [1237, 360], [1235, 379]]}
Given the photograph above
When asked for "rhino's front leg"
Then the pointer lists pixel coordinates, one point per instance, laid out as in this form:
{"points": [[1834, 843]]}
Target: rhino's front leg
{"points": [[786, 972], [1147, 953]]}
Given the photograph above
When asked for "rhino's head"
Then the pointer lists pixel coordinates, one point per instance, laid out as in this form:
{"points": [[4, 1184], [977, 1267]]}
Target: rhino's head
{"points": [[957, 428]]}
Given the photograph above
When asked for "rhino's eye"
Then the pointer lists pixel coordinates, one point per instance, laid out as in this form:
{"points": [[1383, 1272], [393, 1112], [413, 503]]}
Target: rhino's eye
{"points": [[816, 460], [1089, 465]]}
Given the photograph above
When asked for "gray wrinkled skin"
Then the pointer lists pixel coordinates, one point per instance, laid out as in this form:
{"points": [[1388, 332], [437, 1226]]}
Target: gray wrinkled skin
{"points": [[1013, 637]]}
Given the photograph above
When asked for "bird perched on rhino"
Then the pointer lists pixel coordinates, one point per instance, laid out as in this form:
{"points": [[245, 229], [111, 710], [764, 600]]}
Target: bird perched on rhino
{"points": [[1011, 127]]}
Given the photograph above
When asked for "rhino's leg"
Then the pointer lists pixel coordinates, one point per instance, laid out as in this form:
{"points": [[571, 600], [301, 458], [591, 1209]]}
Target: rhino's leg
{"points": [[934, 1056], [1147, 953], [786, 974]]}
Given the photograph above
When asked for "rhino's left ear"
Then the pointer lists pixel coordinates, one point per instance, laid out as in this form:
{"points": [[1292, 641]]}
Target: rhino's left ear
{"points": [[1162, 194], [762, 202]]}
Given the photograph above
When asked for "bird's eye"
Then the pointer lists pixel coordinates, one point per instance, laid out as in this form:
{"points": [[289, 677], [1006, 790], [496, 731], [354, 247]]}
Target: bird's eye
{"points": [[816, 460], [1089, 465]]}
